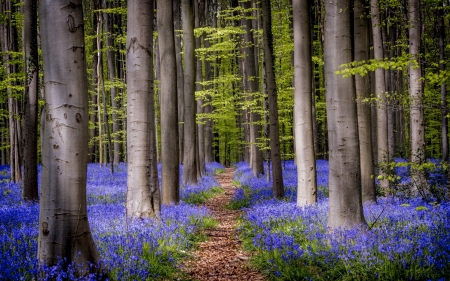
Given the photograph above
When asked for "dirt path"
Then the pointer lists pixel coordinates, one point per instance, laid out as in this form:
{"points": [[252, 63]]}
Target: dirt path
{"points": [[221, 257]]}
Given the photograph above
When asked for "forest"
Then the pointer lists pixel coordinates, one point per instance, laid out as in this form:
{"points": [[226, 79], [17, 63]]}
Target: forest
{"points": [[224, 140]]}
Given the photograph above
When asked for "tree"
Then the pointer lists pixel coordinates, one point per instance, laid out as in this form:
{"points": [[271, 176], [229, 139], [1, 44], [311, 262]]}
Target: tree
{"points": [[251, 86], [362, 84], [63, 222], [143, 196], [303, 123], [380, 93], [345, 206], [30, 124], [190, 127], [416, 92], [169, 116], [444, 120], [110, 55], [277, 178]]}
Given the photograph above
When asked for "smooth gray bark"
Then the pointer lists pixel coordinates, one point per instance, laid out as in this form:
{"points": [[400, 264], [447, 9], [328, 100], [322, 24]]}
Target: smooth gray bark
{"points": [[169, 113], [190, 106], [64, 230], [380, 93], [417, 121], [345, 203], [303, 119], [251, 86], [111, 59], [180, 77], [143, 196], [362, 84], [444, 111], [277, 177]]}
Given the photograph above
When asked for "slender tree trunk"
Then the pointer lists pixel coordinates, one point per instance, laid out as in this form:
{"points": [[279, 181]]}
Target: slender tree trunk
{"points": [[416, 93], [345, 206], [362, 84], [143, 196], [252, 83], [30, 173], [444, 111], [169, 113], [303, 119], [102, 83], [199, 20], [64, 230], [277, 178], [209, 155], [380, 93], [180, 77], [190, 130], [110, 56]]}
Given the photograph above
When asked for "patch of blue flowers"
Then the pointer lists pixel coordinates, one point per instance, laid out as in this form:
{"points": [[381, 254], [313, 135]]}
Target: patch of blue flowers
{"points": [[130, 249], [407, 239]]}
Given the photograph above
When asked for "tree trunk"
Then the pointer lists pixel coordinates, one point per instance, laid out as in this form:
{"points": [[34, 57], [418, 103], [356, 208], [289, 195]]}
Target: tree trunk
{"points": [[444, 111], [303, 121], [416, 94], [190, 126], [345, 206], [30, 173], [110, 56], [143, 197], [169, 113], [102, 83], [64, 230], [180, 77], [362, 84], [252, 86], [277, 178], [380, 93], [199, 21]]}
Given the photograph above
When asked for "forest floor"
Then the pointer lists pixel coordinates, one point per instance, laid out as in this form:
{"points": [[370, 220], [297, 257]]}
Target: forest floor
{"points": [[221, 256]]}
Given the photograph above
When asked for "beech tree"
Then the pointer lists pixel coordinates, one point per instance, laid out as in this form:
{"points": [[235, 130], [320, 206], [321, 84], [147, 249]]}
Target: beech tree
{"points": [[190, 106], [380, 93], [64, 230], [362, 84], [277, 177], [143, 195], [169, 113], [303, 123], [251, 87], [30, 124], [416, 93], [345, 206]]}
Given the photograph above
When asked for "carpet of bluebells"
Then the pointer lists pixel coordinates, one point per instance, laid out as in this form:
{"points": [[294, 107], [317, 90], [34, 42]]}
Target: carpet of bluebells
{"points": [[130, 250], [406, 238]]}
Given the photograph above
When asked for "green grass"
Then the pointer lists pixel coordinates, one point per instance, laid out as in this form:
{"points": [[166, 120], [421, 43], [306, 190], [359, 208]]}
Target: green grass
{"points": [[200, 198]]}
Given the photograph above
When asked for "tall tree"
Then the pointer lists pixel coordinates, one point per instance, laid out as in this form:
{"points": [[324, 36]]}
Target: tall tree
{"points": [[345, 207], [63, 222], [362, 84], [180, 78], [190, 127], [199, 13], [277, 178], [143, 196], [380, 93], [444, 111], [30, 153], [169, 113], [416, 92], [111, 58], [303, 119], [251, 85]]}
